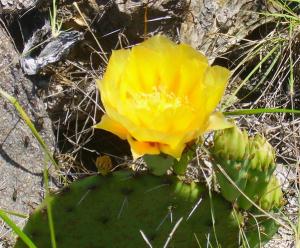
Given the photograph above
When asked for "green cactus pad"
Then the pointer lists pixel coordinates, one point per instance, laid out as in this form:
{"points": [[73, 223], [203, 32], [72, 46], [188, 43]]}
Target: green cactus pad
{"points": [[259, 230], [113, 211], [238, 172]]}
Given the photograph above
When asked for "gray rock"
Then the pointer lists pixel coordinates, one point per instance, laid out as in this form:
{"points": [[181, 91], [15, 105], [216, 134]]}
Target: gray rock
{"points": [[213, 26], [21, 159], [55, 49], [128, 18], [15, 6]]}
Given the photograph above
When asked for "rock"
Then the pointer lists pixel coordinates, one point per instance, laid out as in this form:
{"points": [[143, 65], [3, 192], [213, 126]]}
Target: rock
{"points": [[21, 159], [16, 6], [128, 18], [53, 49], [213, 26]]}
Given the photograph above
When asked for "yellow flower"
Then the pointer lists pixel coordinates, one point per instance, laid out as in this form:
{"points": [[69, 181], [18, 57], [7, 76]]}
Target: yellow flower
{"points": [[160, 96]]}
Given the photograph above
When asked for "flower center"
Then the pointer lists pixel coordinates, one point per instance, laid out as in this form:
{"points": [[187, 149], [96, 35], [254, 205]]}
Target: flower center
{"points": [[159, 99]]}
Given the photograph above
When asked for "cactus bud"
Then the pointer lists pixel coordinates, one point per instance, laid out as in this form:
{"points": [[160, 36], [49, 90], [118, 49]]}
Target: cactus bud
{"points": [[273, 197], [262, 153], [249, 162], [262, 166], [230, 143], [104, 165], [158, 164], [230, 151]]}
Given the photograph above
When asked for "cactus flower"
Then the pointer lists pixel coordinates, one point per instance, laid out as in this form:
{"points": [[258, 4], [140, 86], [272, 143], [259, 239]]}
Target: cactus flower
{"points": [[160, 95]]}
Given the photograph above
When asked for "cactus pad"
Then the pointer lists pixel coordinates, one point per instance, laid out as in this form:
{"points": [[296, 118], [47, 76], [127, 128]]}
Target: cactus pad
{"points": [[114, 211], [259, 230]]}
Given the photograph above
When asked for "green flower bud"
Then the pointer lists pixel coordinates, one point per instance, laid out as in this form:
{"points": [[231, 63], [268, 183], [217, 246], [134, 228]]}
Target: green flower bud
{"points": [[273, 197], [262, 153], [230, 144]]}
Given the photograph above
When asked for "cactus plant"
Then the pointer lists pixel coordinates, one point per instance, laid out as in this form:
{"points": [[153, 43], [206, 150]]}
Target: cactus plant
{"points": [[112, 211], [230, 144], [249, 162], [180, 166], [262, 166], [230, 151], [272, 199], [158, 164], [259, 230]]}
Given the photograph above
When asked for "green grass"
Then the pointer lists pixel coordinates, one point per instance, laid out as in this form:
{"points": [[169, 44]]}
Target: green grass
{"points": [[49, 209], [55, 24], [258, 48], [17, 230], [239, 112]]}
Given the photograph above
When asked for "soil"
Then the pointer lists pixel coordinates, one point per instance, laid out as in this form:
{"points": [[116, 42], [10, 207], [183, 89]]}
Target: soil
{"points": [[63, 102]]}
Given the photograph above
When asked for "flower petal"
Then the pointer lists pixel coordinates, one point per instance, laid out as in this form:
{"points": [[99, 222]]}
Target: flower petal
{"points": [[112, 126], [113, 77], [158, 43], [190, 53], [217, 121], [215, 81], [138, 148], [173, 151]]}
